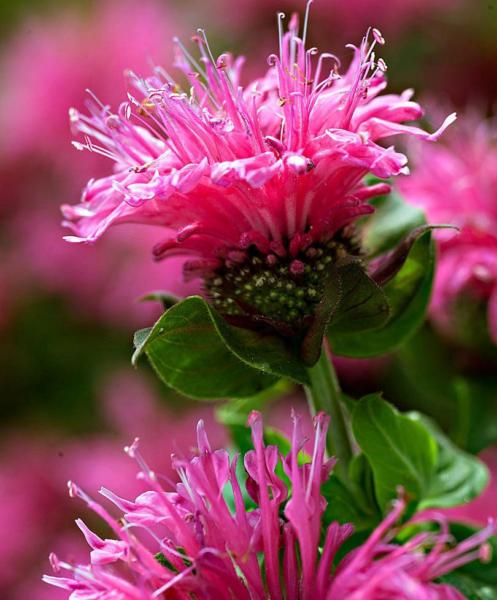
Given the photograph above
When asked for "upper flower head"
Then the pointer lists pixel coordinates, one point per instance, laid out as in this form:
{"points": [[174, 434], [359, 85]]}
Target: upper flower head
{"points": [[259, 184], [209, 540], [455, 183]]}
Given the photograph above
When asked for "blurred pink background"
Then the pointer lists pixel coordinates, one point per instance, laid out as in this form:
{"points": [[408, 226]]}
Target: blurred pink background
{"points": [[69, 399]]}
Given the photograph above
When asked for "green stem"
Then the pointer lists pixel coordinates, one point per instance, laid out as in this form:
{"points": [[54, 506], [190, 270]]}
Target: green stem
{"points": [[323, 393]]}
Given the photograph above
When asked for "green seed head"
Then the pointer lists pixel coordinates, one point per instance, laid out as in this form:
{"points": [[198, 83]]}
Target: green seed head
{"points": [[283, 289]]}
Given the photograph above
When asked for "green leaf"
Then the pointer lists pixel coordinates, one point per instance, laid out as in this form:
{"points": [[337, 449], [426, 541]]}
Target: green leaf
{"points": [[344, 506], [361, 476], [386, 268], [353, 501], [409, 450], [363, 304], [392, 220], [425, 376], [265, 352], [459, 477], [471, 330], [401, 451], [194, 350], [313, 340], [471, 587], [476, 402], [408, 294], [420, 378], [189, 354]]}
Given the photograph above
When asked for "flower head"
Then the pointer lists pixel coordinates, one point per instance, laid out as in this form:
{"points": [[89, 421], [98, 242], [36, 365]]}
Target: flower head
{"points": [[259, 184], [206, 538], [455, 183]]}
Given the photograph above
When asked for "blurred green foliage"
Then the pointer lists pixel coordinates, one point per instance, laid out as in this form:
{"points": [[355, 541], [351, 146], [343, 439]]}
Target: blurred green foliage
{"points": [[52, 361]]}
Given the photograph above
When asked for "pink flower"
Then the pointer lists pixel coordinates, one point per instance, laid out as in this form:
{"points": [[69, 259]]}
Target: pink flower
{"points": [[201, 540], [381, 569], [455, 183], [259, 184]]}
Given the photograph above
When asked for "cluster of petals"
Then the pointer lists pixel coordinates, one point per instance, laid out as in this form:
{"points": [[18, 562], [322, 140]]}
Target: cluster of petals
{"points": [[224, 167], [455, 183], [209, 538]]}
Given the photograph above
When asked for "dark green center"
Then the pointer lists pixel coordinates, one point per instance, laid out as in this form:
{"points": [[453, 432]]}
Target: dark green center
{"points": [[284, 289]]}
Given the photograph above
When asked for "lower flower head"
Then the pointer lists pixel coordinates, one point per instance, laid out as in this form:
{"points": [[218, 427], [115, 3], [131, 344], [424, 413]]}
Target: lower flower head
{"points": [[207, 537], [259, 185]]}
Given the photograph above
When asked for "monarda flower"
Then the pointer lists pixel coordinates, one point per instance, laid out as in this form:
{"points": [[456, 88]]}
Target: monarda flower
{"points": [[260, 185], [455, 183], [208, 539]]}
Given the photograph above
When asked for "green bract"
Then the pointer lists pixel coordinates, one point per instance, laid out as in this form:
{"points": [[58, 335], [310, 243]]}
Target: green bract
{"points": [[363, 312], [407, 294], [195, 351]]}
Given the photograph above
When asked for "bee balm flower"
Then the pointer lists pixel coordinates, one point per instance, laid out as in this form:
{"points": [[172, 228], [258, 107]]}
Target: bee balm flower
{"points": [[261, 184], [201, 540], [455, 183]]}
